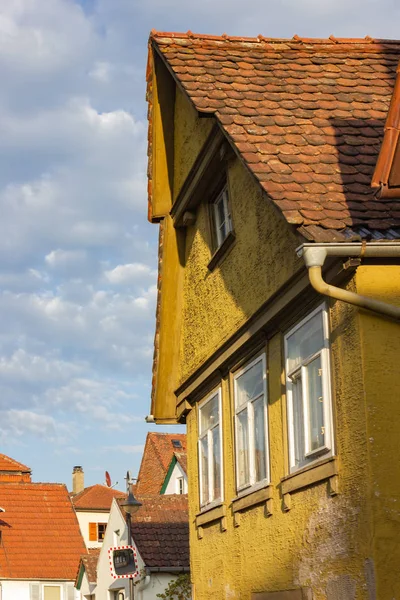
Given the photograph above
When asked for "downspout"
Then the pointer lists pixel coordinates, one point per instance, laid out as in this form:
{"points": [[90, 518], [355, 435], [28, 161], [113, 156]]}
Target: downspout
{"points": [[144, 583], [314, 257]]}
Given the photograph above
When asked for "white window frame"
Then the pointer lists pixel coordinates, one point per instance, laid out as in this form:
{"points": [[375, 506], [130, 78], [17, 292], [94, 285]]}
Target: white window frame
{"points": [[180, 485], [211, 500], [253, 484], [327, 450], [223, 197]]}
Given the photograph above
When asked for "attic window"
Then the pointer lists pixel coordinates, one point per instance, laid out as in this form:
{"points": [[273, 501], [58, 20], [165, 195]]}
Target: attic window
{"points": [[221, 217], [176, 444]]}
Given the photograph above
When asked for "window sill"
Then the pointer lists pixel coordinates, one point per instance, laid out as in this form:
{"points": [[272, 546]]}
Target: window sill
{"points": [[221, 251], [315, 473], [252, 498], [209, 515]]}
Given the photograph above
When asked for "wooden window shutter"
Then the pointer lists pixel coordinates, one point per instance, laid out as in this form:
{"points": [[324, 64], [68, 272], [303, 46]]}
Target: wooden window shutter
{"points": [[93, 532], [34, 591]]}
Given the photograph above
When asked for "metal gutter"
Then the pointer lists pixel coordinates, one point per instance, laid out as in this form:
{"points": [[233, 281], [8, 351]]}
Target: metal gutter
{"points": [[314, 257], [167, 569]]}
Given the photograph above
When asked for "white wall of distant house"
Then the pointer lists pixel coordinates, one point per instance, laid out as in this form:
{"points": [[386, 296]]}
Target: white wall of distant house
{"points": [[86, 517], [21, 590], [173, 484], [117, 535]]}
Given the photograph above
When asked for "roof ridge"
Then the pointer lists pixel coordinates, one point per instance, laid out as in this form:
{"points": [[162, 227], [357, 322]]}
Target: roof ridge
{"points": [[331, 40], [14, 462]]}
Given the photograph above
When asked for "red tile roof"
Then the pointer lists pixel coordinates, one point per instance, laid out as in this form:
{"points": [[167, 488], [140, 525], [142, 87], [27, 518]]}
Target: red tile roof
{"points": [[162, 544], [160, 530], [306, 116], [157, 455], [387, 172], [41, 538], [96, 497], [13, 471], [89, 562]]}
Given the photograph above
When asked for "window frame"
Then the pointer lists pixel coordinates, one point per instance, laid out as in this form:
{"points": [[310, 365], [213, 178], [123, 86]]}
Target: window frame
{"points": [[101, 540], [214, 501], [253, 484], [180, 485], [327, 450], [221, 196]]}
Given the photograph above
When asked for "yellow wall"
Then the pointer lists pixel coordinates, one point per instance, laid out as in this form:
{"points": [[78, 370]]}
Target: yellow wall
{"points": [[340, 546], [261, 260], [190, 134], [323, 542], [380, 344]]}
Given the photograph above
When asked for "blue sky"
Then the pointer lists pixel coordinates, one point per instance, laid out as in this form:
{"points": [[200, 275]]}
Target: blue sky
{"points": [[77, 256]]}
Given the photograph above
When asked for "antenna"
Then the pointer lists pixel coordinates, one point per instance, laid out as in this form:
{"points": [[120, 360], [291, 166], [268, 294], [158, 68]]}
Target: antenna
{"points": [[128, 479], [108, 479]]}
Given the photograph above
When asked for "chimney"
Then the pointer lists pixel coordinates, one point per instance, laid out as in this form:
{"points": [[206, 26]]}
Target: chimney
{"points": [[78, 483]]}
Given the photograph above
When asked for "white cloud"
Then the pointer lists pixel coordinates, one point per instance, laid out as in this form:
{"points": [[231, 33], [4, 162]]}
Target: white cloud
{"points": [[125, 448], [22, 367], [130, 273], [64, 258]]}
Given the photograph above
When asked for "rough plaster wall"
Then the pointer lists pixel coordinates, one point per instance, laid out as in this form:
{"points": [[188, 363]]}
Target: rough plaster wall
{"points": [[322, 543], [381, 360], [190, 134], [261, 260]]}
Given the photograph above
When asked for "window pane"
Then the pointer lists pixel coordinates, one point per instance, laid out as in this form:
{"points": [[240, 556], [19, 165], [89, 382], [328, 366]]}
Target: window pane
{"points": [[216, 458], [51, 592], [259, 439], [315, 405], [204, 470], [250, 384], [306, 341], [209, 414], [243, 448], [298, 423]]}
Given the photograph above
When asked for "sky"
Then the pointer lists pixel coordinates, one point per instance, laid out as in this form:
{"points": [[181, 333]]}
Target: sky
{"points": [[78, 259]]}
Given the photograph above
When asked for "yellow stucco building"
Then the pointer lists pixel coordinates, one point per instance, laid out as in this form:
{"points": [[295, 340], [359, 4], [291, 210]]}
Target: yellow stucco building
{"points": [[278, 337]]}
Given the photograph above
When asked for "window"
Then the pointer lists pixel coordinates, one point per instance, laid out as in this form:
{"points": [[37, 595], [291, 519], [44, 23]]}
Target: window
{"points": [[251, 425], [222, 221], [97, 531], [176, 444], [180, 485], [308, 390], [51, 592], [210, 449]]}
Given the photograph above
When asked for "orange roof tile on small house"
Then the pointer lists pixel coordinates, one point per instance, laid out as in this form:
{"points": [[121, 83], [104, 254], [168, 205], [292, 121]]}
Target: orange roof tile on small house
{"points": [[96, 498], [88, 564], [306, 117], [13, 471], [158, 453], [40, 535]]}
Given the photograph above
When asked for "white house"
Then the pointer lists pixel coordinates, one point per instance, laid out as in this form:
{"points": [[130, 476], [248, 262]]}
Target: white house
{"points": [[92, 505], [160, 537], [40, 540]]}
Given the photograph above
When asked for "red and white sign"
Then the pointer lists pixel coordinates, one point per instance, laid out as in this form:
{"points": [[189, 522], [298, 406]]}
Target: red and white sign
{"points": [[123, 562]]}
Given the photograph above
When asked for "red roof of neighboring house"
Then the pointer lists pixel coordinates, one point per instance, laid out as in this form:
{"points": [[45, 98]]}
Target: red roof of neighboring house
{"points": [[157, 455], [96, 497], [160, 530], [162, 544], [387, 172], [41, 538], [89, 563], [13, 471], [306, 116]]}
